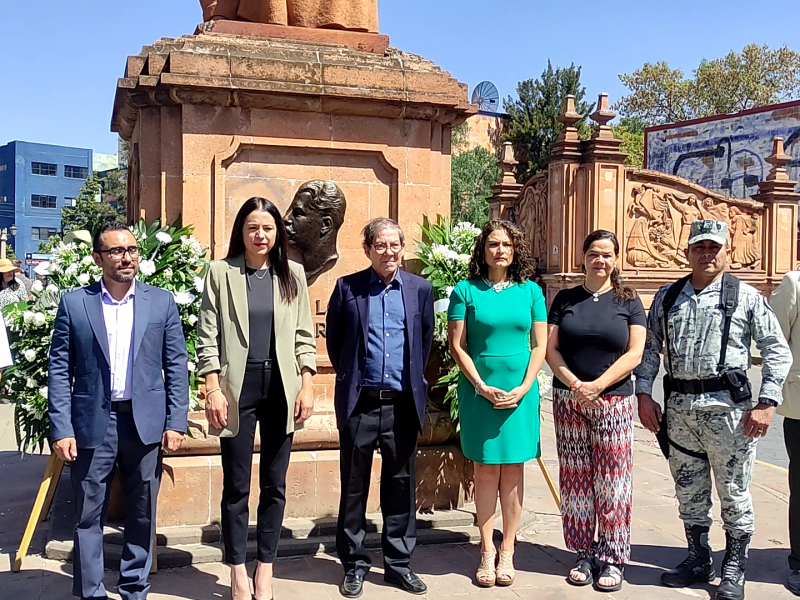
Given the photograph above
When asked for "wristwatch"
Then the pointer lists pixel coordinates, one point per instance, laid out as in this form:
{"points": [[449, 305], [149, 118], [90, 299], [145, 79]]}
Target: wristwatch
{"points": [[768, 402]]}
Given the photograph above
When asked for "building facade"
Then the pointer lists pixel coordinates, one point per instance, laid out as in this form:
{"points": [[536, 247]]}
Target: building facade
{"points": [[36, 182]]}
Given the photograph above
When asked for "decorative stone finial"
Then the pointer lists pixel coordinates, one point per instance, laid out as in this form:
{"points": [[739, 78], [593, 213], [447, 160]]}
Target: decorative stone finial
{"points": [[569, 117], [507, 163], [506, 190], [778, 159], [603, 114]]}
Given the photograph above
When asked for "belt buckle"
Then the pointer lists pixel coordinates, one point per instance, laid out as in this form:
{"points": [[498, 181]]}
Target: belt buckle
{"points": [[382, 397]]}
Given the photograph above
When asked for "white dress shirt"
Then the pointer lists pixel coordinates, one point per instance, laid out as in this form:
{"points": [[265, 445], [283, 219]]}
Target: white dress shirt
{"points": [[118, 317]]}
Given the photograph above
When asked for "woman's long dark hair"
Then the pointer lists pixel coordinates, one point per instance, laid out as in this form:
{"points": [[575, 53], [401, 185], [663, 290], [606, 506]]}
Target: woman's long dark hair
{"points": [[521, 266], [278, 256], [13, 284], [621, 291]]}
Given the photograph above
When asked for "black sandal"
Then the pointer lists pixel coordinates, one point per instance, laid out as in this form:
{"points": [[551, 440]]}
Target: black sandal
{"points": [[585, 566], [613, 571]]}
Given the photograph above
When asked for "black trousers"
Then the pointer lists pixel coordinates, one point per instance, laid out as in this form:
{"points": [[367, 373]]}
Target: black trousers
{"points": [[262, 400], [392, 426], [791, 437]]}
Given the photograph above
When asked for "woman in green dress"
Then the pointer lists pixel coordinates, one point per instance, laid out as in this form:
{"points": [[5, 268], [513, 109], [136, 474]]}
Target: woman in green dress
{"points": [[498, 335]]}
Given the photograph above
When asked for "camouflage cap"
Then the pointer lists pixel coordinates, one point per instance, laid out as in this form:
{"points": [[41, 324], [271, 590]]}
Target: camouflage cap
{"points": [[706, 229]]}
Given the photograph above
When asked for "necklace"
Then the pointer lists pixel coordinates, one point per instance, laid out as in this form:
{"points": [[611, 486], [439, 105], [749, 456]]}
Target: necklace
{"points": [[265, 271], [498, 287], [596, 295]]}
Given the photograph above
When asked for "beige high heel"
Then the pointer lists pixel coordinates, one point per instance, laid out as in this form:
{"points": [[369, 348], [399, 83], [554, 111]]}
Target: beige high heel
{"points": [[505, 568], [486, 576]]}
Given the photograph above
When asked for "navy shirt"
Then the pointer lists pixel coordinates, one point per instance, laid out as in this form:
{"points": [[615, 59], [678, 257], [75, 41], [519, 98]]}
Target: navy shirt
{"points": [[387, 356]]}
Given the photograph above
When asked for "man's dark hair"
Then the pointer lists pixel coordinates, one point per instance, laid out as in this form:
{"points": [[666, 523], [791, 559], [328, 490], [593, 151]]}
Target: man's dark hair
{"points": [[115, 226]]}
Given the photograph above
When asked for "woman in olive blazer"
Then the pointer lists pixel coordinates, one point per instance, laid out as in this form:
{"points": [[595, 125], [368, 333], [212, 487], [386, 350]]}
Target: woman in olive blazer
{"points": [[257, 351]]}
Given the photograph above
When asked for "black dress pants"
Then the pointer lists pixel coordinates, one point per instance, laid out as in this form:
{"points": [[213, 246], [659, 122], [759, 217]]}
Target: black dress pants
{"points": [[791, 437], [262, 400], [392, 426]]}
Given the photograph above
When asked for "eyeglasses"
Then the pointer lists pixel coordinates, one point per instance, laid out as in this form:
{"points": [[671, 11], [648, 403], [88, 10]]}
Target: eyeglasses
{"points": [[381, 248], [119, 252]]}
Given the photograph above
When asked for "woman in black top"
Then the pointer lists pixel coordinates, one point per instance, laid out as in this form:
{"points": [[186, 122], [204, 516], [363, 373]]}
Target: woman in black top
{"points": [[597, 335]]}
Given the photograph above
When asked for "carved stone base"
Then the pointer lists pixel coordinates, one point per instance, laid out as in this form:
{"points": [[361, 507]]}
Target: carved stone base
{"points": [[374, 43], [191, 486]]}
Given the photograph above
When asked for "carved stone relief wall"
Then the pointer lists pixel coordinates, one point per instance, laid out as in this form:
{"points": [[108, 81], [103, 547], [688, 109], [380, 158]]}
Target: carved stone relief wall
{"points": [[531, 213], [659, 218]]}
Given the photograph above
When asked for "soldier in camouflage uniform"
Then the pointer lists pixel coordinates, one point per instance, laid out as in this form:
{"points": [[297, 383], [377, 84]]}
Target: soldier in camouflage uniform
{"points": [[702, 416]]}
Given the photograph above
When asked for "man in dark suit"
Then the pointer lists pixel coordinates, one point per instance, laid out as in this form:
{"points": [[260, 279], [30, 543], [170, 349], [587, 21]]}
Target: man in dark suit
{"points": [[378, 331], [110, 404]]}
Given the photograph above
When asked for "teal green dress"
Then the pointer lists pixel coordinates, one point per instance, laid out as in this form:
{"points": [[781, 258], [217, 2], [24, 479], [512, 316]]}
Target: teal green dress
{"points": [[498, 326]]}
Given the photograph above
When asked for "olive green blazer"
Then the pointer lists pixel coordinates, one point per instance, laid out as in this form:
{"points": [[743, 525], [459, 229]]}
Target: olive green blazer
{"points": [[224, 327]]}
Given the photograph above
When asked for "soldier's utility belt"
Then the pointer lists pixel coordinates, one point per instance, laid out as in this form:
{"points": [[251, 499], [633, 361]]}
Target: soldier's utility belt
{"points": [[732, 380], [698, 386]]}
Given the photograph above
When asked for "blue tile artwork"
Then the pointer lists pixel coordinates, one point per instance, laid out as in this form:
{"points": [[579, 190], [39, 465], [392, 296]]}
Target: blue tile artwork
{"points": [[727, 154]]}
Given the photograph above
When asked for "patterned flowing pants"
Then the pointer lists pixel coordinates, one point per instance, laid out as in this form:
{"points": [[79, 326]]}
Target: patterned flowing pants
{"points": [[595, 454]]}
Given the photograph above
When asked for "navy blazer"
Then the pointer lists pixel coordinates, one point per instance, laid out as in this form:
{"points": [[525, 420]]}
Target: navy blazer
{"points": [[346, 334], [79, 381]]}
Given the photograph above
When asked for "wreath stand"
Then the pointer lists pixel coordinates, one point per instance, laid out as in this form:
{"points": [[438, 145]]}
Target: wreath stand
{"points": [[41, 508]]}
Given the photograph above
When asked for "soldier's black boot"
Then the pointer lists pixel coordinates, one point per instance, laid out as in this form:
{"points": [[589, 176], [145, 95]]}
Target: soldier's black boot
{"points": [[733, 567], [698, 566]]}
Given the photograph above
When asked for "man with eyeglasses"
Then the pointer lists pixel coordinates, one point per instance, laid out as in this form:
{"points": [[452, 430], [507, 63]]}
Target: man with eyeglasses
{"points": [[118, 395], [379, 328]]}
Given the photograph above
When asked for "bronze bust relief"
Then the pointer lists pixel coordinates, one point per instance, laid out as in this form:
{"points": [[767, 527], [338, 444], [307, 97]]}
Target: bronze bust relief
{"points": [[312, 222]]}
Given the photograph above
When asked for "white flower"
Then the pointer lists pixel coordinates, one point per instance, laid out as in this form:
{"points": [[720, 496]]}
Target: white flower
{"points": [[98, 276], [192, 320], [39, 319], [37, 287], [183, 297], [147, 267], [27, 317], [84, 278], [87, 260], [51, 288], [464, 259], [71, 270], [30, 356], [198, 285], [30, 384], [190, 366], [192, 245], [168, 273], [164, 237], [42, 269], [144, 235], [449, 290], [43, 392]]}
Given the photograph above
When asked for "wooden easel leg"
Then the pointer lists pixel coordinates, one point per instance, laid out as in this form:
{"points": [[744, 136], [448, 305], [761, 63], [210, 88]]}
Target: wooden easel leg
{"points": [[154, 564], [51, 492], [550, 483], [43, 499]]}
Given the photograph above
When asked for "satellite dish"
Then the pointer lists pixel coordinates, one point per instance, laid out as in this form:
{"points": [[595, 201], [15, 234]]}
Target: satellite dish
{"points": [[485, 95]]}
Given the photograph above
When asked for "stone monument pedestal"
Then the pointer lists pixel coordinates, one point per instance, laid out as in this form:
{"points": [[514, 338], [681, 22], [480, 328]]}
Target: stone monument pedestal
{"points": [[218, 117]]}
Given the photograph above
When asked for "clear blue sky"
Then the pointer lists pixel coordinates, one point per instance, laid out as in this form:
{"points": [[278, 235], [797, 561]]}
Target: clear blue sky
{"points": [[60, 60]]}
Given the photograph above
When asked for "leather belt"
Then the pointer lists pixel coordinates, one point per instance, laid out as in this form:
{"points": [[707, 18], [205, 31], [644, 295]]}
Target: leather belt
{"points": [[122, 406], [382, 394], [698, 386]]}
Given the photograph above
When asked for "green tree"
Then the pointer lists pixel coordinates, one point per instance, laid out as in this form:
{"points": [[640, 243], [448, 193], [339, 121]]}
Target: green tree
{"points": [[114, 186], [631, 131], [474, 172], [533, 125], [88, 212], [756, 76]]}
